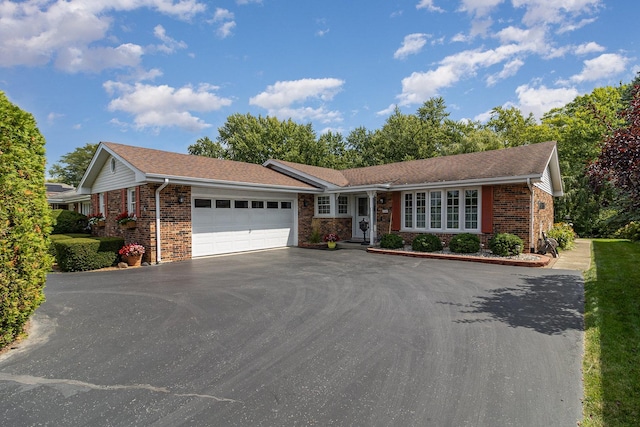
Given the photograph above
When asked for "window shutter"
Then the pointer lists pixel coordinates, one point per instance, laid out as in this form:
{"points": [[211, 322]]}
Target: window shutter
{"points": [[396, 211], [487, 209]]}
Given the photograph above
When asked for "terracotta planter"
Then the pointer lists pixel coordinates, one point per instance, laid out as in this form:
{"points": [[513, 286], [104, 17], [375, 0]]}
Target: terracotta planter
{"points": [[331, 245], [133, 260]]}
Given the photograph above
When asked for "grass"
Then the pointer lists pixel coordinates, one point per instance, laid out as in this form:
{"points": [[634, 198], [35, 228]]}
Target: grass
{"points": [[611, 364]]}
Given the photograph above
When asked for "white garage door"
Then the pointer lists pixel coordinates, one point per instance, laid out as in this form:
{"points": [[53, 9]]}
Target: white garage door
{"points": [[223, 225]]}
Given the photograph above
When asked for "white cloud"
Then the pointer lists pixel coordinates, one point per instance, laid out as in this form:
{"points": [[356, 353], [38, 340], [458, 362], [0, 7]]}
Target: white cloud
{"points": [[428, 4], [169, 45], [604, 66], [278, 99], [587, 48], [53, 117], [555, 12], [164, 106], [412, 44], [510, 69], [242, 2], [221, 15], [226, 20], [542, 99], [35, 32], [572, 26], [479, 7]]}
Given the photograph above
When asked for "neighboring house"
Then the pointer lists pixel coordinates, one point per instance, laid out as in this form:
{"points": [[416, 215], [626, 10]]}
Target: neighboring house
{"points": [[64, 196], [190, 206]]}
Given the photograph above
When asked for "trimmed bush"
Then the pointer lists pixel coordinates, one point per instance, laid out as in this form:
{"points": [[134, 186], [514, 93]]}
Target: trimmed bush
{"points": [[426, 243], [66, 222], [564, 235], [505, 244], [110, 244], [391, 241], [25, 218], [630, 231], [82, 255], [465, 243]]}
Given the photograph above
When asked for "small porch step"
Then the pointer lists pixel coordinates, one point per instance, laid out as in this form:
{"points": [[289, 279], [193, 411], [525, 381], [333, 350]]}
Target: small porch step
{"points": [[351, 244]]}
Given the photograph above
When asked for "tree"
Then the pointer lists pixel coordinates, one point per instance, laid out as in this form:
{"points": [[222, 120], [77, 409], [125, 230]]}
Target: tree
{"points": [[25, 220], [619, 161], [207, 148], [72, 166]]}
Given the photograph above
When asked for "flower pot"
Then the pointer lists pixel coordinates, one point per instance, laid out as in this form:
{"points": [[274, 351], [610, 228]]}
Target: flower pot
{"points": [[133, 260], [100, 223], [331, 245], [129, 224]]}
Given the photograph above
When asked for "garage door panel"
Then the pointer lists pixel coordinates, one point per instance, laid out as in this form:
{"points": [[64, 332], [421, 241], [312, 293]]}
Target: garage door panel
{"points": [[226, 230]]}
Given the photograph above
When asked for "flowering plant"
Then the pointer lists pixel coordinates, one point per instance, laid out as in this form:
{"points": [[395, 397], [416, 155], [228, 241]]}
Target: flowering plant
{"points": [[132, 249], [331, 237], [125, 217], [93, 219]]}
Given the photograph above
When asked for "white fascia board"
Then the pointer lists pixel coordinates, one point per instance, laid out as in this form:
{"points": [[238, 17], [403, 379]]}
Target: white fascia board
{"points": [[359, 189], [99, 159], [556, 176], [209, 183], [470, 182], [304, 177]]}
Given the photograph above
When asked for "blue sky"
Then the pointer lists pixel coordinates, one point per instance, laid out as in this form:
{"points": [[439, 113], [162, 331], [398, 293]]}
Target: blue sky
{"points": [[163, 73]]}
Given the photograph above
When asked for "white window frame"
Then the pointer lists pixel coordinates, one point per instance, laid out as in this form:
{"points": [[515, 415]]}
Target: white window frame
{"points": [[410, 218], [101, 206], [342, 207], [131, 200], [324, 198]]}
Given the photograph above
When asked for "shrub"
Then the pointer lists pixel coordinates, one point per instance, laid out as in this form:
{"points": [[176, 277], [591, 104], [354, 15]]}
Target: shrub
{"points": [[315, 236], [391, 241], [82, 254], [66, 221], [110, 244], [465, 243], [426, 243], [54, 238], [564, 235], [630, 231], [505, 244], [25, 219]]}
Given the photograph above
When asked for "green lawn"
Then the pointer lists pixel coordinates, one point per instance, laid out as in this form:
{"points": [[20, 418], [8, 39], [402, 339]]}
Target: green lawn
{"points": [[611, 362]]}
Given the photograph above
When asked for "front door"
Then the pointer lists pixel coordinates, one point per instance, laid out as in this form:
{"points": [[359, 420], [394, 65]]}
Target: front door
{"points": [[362, 212]]}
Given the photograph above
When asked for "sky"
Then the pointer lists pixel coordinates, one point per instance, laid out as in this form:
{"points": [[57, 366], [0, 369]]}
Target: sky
{"points": [[164, 73]]}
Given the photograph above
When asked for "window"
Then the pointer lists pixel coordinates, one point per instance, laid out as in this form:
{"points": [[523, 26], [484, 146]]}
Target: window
{"points": [[285, 205], [343, 205], [435, 209], [131, 201], [470, 209], [324, 205], [453, 209], [202, 203], [241, 204], [442, 210], [408, 210], [223, 204], [257, 204], [101, 204], [272, 205], [363, 206], [112, 165], [421, 210]]}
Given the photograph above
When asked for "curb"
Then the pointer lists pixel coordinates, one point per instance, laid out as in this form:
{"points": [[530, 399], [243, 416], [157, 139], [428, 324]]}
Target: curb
{"points": [[542, 262]]}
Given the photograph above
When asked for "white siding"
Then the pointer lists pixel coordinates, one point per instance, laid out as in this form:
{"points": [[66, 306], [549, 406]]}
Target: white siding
{"points": [[107, 180], [545, 185]]}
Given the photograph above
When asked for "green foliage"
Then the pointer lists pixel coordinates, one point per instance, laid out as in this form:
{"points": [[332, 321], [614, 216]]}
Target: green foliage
{"points": [[25, 222], [109, 244], [71, 167], [506, 244], [82, 254], [315, 236], [564, 234], [630, 231], [465, 243], [391, 241], [66, 221], [426, 243], [612, 332]]}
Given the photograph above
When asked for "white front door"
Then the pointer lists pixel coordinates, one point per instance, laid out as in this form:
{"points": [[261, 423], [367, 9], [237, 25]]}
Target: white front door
{"points": [[361, 213]]}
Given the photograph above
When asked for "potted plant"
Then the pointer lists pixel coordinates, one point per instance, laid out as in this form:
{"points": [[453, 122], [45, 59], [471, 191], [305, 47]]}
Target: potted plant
{"points": [[96, 220], [126, 220], [132, 253], [331, 240]]}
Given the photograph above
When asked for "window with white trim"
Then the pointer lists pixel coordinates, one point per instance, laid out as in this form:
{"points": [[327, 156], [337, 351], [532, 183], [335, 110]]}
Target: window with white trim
{"points": [[451, 209], [343, 205], [131, 201], [323, 205], [101, 206]]}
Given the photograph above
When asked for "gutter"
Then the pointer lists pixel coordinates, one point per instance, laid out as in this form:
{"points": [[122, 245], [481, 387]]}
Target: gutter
{"points": [[532, 247], [158, 242]]}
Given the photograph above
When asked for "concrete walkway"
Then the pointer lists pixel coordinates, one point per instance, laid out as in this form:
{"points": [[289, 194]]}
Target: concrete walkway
{"points": [[579, 258]]}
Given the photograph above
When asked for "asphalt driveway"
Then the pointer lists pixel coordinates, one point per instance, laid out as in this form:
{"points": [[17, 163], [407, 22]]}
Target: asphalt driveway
{"points": [[301, 337]]}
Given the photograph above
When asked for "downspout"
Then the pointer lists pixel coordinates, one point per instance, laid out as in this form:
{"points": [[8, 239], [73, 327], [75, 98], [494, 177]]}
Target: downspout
{"points": [[158, 242], [532, 247]]}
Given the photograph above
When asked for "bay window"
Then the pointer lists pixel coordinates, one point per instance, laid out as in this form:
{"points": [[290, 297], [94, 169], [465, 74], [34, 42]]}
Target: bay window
{"points": [[454, 209]]}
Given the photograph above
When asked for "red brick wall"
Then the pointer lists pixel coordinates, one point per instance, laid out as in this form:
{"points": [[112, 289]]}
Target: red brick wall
{"points": [[543, 221], [175, 222], [307, 222]]}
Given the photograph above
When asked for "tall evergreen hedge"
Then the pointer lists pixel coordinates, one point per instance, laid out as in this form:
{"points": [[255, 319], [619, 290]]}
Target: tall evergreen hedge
{"points": [[24, 220]]}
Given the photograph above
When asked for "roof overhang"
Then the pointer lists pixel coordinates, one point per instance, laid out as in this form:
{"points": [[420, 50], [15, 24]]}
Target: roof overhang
{"points": [[300, 176], [102, 154], [556, 176], [209, 183]]}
